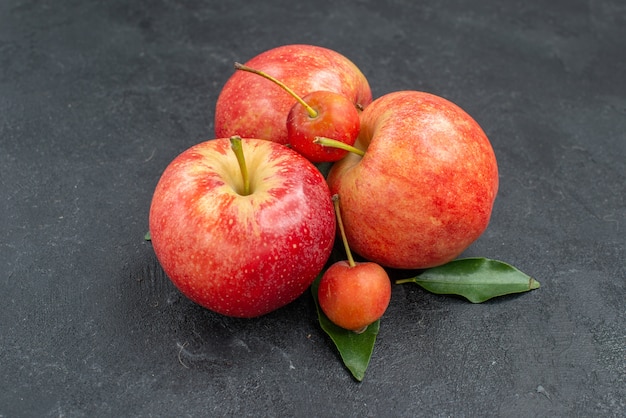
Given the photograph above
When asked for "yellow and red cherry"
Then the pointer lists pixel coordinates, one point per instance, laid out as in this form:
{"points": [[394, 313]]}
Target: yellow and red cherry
{"points": [[320, 114], [333, 116], [353, 295]]}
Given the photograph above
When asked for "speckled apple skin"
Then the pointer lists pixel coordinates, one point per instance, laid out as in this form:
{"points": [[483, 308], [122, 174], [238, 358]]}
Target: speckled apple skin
{"points": [[254, 107], [425, 189], [242, 256]]}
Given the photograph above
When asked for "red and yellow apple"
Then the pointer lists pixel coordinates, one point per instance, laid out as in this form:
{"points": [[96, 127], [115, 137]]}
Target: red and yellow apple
{"points": [[424, 190], [255, 107], [242, 229]]}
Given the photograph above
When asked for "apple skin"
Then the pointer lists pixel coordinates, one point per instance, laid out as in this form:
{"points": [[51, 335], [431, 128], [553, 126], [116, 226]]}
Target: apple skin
{"points": [[337, 118], [353, 297], [254, 107], [425, 188], [242, 256]]}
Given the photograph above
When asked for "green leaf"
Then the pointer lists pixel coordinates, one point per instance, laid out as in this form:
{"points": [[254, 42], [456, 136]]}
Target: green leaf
{"points": [[355, 349], [477, 279], [147, 237]]}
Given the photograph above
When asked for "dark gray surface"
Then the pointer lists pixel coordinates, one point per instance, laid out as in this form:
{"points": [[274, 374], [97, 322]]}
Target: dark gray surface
{"points": [[97, 97]]}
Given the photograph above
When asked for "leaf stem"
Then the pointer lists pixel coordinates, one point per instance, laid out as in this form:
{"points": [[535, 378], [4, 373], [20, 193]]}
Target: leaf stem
{"points": [[236, 146], [342, 230], [312, 112], [333, 143]]}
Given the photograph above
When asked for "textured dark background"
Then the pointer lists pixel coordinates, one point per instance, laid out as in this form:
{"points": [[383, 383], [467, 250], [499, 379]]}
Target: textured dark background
{"points": [[97, 97]]}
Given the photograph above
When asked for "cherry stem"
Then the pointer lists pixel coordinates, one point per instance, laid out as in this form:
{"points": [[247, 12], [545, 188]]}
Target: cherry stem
{"points": [[351, 262], [236, 146], [312, 112], [333, 143]]}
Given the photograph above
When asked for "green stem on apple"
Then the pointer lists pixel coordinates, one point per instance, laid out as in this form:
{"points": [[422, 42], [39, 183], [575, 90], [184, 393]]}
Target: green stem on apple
{"points": [[342, 230], [333, 143], [312, 112], [236, 146]]}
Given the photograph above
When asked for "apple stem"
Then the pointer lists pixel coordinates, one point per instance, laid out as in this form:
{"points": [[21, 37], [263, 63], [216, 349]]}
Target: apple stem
{"points": [[342, 230], [312, 112], [236, 146], [333, 143]]}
